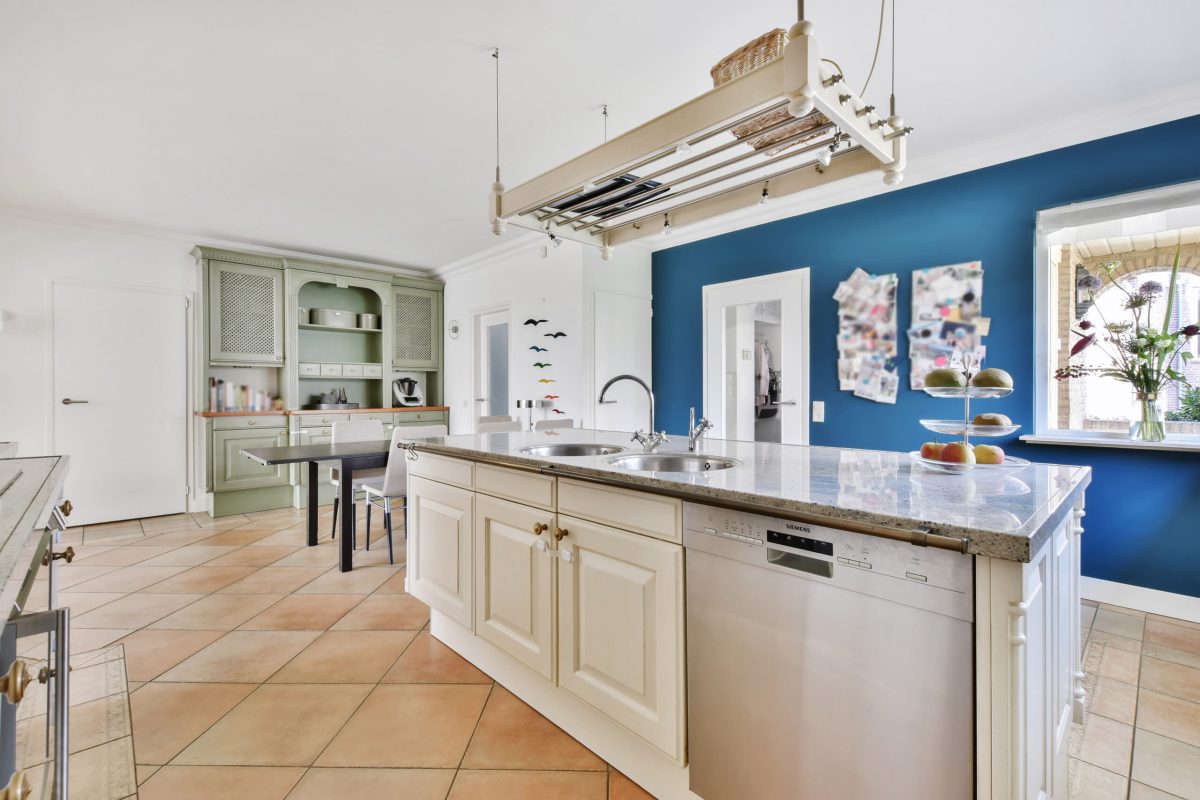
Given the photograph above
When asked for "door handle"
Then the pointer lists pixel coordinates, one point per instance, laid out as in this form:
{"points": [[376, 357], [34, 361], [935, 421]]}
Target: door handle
{"points": [[786, 403], [480, 399], [66, 401]]}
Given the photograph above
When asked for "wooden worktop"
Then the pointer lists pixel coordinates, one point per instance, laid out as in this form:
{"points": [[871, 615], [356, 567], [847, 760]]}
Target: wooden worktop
{"points": [[302, 411]]}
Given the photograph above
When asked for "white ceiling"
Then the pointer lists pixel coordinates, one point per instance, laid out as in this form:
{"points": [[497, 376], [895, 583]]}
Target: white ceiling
{"points": [[364, 129]]}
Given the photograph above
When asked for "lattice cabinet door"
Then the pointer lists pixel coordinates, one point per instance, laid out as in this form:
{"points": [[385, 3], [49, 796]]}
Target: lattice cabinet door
{"points": [[417, 330], [245, 314]]}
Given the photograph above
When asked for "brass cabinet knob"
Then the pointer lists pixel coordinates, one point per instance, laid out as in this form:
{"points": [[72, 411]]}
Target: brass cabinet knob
{"points": [[540, 528], [14, 682], [560, 534], [66, 508], [67, 555], [17, 788]]}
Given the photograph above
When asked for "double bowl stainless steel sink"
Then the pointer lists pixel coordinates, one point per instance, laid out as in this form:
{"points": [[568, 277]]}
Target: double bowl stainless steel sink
{"points": [[637, 462]]}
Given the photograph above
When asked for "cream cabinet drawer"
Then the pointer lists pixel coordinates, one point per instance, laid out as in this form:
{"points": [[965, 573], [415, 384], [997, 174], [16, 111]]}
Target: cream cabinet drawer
{"points": [[309, 421], [661, 517], [528, 488], [246, 423], [310, 370], [331, 370], [352, 370], [372, 371], [384, 418], [444, 470], [423, 417]]}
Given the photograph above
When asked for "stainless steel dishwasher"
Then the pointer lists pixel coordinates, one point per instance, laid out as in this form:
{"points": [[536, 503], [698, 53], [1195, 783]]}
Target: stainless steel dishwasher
{"points": [[824, 664]]}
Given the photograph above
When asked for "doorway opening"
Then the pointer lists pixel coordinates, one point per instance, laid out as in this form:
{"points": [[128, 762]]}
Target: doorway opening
{"points": [[491, 363]]}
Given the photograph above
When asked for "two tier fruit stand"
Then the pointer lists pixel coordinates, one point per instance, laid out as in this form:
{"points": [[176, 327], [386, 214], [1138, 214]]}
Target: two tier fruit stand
{"points": [[966, 428]]}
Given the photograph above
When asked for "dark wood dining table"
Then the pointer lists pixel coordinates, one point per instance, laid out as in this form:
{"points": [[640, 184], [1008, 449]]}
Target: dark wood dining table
{"points": [[350, 457]]}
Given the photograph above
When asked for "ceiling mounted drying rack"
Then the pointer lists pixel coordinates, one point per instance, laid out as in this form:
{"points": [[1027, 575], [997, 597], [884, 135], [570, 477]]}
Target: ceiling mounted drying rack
{"points": [[603, 198]]}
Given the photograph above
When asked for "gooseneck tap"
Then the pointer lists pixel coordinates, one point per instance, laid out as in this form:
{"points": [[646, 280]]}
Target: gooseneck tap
{"points": [[696, 431], [649, 442]]}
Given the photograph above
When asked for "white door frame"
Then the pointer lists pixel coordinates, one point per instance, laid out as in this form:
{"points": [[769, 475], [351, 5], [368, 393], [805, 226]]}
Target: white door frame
{"points": [[717, 297], [478, 316], [191, 361]]}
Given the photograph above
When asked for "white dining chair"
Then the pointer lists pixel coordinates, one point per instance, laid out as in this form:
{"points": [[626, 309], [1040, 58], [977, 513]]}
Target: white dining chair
{"points": [[547, 424], [496, 418], [355, 430], [512, 426], [394, 483]]}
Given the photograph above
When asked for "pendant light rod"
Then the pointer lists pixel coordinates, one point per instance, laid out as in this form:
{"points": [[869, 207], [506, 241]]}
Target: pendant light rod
{"points": [[605, 113], [496, 56], [799, 10]]}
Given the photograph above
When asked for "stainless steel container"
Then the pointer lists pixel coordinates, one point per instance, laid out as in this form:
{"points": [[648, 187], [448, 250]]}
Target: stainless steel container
{"points": [[302, 315], [333, 317], [369, 321]]}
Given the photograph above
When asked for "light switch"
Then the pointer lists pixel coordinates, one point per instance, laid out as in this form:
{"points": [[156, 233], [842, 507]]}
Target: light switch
{"points": [[818, 414], [745, 354]]}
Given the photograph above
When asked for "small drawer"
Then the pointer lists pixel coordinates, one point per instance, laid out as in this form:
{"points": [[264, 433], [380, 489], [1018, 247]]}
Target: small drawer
{"points": [[454, 471], [372, 371], [652, 515], [352, 370], [423, 417], [245, 423], [384, 418], [321, 420], [331, 370], [528, 488], [310, 369]]}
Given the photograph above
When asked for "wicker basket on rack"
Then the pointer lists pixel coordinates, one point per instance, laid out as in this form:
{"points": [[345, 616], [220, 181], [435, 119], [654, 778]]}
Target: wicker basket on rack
{"points": [[749, 57]]}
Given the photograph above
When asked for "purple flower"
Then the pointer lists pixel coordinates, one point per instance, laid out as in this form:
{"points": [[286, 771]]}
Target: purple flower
{"points": [[1085, 325], [1090, 283], [1083, 344], [1190, 330], [1150, 289]]}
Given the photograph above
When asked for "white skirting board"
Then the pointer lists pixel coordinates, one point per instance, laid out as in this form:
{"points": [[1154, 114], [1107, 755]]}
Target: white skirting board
{"points": [[1167, 604]]}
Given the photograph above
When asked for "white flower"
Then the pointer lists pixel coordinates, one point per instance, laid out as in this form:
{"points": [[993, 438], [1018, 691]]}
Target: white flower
{"points": [[1139, 342], [1164, 344]]}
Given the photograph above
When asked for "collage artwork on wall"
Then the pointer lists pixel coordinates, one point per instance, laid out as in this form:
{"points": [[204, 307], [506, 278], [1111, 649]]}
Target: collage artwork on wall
{"points": [[947, 319], [867, 336]]}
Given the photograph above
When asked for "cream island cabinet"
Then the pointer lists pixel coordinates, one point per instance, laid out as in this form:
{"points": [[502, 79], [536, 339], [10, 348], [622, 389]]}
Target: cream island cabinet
{"points": [[564, 579]]}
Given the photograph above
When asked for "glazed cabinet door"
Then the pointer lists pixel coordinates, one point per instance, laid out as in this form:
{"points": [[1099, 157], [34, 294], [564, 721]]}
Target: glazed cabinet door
{"points": [[620, 628], [245, 321], [417, 328], [514, 581], [231, 470], [439, 547]]}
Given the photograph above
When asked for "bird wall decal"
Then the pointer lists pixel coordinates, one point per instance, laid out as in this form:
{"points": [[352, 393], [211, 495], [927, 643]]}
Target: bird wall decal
{"points": [[547, 380], [534, 322], [541, 365], [537, 349], [554, 335], [551, 397], [558, 411]]}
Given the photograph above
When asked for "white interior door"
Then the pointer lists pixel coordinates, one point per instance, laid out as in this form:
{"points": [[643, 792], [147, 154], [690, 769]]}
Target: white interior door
{"points": [[491, 364], [120, 359], [756, 358]]}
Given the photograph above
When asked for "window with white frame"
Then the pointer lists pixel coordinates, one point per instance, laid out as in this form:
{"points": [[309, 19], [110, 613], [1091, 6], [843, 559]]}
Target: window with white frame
{"points": [[1096, 260]]}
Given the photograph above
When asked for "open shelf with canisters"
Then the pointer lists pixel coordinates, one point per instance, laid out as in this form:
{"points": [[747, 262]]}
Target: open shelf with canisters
{"points": [[340, 343]]}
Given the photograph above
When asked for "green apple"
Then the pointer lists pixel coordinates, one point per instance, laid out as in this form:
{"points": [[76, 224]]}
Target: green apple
{"points": [[988, 454], [958, 453], [993, 378], [945, 378], [991, 419]]}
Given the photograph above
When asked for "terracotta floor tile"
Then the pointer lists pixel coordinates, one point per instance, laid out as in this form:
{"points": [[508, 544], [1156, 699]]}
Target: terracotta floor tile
{"points": [[202, 579], [218, 611], [176, 538], [99, 774], [72, 575], [408, 726], [1107, 744], [394, 584], [1087, 614], [1114, 699], [429, 661], [511, 735], [324, 555], [1176, 637], [188, 556], [82, 602], [95, 681], [86, 639], [239, 536], [367, 784], [167, 717], [1172, 679], [274, 580], [1120, 665], [1169, 716], [1164, 653], [169, 522], [386, 612], [1167, 764], [1118, 623], [345, 657], [1114, 641], [1089, 782], [304, 613], [133, 610], [252, 557], [144, 771], [123, 556], [523, 785], [1183, 623], [149, 653], [207, 783], [99, 721], [241, 657], [129, 579], [279, 725], [292, 539], [1140, 791], [360, 581], [120, 525], [621, 788]]}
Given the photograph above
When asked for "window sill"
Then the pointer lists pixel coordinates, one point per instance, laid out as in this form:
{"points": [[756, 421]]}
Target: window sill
{"points": [[1076, 439]]}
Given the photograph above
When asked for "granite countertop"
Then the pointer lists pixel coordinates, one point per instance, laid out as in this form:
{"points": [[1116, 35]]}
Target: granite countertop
{"points": [[1003, 514], [36, 483]]}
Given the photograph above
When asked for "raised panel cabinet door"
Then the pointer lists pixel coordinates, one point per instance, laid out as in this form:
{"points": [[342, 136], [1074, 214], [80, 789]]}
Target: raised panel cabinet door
{"points": [[232, 470], [416, 328], [620, 628], [440, 548], [514, 581], [245, 322], [324, 468]]}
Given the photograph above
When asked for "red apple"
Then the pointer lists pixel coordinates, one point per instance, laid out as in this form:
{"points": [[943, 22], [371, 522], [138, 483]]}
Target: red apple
{"points": [[958, 453], [932, 450], [989, 454]]}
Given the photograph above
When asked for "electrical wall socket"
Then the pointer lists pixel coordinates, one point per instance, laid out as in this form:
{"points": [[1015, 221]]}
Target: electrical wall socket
{"points": [[818, 414]]}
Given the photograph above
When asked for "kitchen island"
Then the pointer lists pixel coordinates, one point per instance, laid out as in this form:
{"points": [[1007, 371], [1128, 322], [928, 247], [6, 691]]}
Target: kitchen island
{"points": [[564, 578]]}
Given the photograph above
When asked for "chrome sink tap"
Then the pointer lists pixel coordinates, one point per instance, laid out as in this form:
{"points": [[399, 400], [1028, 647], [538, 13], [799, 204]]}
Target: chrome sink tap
{"points": [[650, 442], [696, 432]]}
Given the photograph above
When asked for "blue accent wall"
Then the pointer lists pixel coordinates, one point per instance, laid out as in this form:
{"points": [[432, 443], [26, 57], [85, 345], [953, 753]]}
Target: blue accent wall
{"points": [[1143, 509]]}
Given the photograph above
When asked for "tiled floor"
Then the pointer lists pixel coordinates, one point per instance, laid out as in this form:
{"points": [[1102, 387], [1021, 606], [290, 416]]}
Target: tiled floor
{"points": [[257, 670]]}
